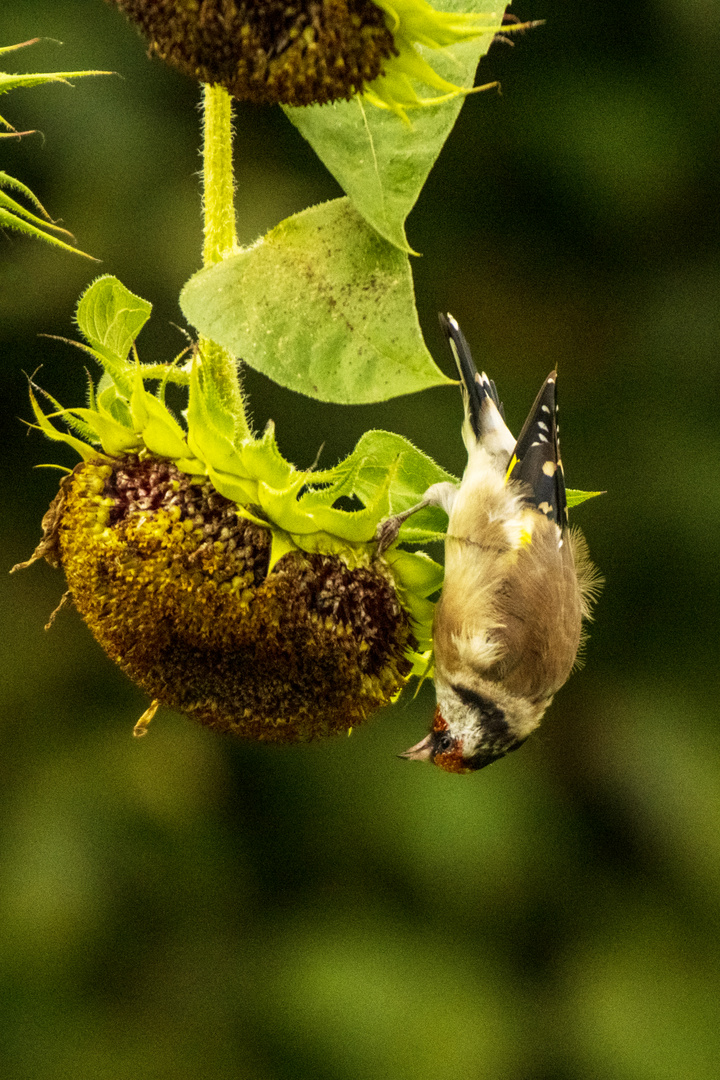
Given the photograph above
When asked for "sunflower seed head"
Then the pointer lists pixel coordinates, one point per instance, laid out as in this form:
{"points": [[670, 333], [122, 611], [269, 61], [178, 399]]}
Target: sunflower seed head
{"points": [[266, 51], [174, 584]]}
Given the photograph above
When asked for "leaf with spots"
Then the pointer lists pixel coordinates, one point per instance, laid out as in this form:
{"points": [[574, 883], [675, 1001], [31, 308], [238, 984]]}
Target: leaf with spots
{"points": [[322, 305]]}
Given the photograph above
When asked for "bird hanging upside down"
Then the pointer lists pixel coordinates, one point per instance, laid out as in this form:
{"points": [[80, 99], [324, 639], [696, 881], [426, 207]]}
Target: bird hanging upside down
{"points": [[518, 583]]}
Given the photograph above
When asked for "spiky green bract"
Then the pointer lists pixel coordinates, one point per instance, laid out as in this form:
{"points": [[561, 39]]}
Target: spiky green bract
{"points": [[413, 23], [13, 215], [227, 559]]}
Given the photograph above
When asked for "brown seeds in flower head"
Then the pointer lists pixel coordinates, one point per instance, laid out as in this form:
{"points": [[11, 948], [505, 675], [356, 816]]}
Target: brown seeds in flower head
{"points": [[295, 52], [175, 587]]}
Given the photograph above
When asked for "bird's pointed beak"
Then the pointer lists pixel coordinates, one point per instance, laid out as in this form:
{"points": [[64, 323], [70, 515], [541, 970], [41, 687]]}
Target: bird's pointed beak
{"points": [[422, 751]]}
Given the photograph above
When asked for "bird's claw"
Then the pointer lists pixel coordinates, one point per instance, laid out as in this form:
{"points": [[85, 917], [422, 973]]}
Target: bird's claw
{"points": [[387, 533]]}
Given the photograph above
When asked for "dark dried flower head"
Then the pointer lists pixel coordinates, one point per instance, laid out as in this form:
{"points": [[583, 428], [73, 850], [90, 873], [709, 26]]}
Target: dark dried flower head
{"points": [[304, 52], [295, 52], [175, 587], [226, 582]]}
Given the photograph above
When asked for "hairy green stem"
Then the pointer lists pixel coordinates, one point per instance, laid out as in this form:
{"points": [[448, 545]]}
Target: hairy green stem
{"points": [[220, 237], [218, 183]]}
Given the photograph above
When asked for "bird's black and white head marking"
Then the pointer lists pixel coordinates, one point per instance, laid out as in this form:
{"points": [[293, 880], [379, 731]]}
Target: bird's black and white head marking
{"points": [[486, 733], [469, 731]]}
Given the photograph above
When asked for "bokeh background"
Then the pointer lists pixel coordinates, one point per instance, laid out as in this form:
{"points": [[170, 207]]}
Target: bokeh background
{"points": [[188, 906]]}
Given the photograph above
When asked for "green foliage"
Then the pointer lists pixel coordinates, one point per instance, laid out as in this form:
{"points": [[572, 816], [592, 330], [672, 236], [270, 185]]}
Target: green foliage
{"points": [[14, 215], [302, 508], [322, 305], [380, 164], [111, 317], [12, 82], [575, 497]]}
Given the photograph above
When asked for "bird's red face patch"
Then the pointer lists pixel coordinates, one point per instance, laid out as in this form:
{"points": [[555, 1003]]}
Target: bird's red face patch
{"points": [[439, 721], [451, 760]]}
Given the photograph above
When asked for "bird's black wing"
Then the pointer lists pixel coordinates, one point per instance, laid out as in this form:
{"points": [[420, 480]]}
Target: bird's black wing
{"points": [[536, 460]]}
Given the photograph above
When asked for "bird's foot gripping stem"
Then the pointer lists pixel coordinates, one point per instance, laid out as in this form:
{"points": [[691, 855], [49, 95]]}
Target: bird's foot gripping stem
{"points": [[442, 495], [387, 531]]}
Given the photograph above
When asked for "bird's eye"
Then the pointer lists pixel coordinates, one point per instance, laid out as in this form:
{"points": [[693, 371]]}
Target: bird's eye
{"points": [[444, 743]]}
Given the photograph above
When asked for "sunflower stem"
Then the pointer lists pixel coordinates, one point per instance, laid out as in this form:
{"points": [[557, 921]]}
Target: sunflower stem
{"points": [[220, 238]]}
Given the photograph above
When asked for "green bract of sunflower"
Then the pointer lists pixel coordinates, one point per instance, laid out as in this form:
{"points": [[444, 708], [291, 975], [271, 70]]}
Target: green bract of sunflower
{"points": [[13, 214], [413, 23], [226, 582], [309, 52]]}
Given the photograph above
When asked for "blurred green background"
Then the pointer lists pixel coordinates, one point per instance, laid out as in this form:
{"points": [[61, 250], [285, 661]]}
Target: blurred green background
{"points": [[189, 906]]}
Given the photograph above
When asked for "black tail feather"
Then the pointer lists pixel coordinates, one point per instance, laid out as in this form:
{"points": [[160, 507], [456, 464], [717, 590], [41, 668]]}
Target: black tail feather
{"points": [[475, 386]]}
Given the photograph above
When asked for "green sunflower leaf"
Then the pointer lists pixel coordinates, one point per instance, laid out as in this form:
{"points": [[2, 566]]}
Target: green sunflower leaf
{"points": [[575, 497], [380, 163], [322, 305], [110, 317], [416, 472]]}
